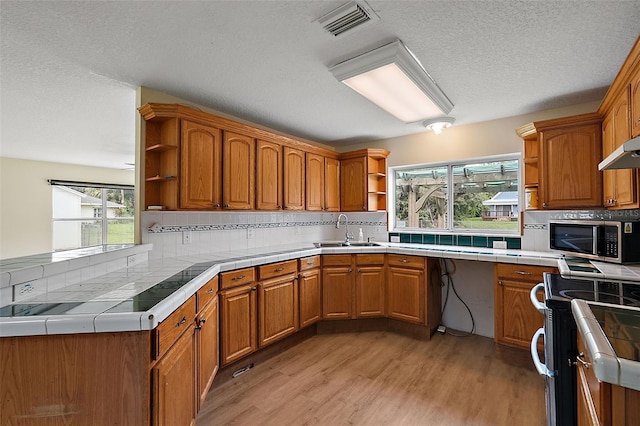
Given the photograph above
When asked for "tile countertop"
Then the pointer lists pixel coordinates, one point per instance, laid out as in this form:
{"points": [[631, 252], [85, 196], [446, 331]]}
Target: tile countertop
{"points": [[116, 301], [611, 336]]}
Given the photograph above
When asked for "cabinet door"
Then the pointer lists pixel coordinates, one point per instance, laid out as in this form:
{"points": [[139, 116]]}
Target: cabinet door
{"points": [[570, 176], [315, 182], [370, 283], [208, 350], [269, 176], [608, 176], [294, 187], [337, 292], [278, 308], [331, 185], [405, 294], [173, 384], [587, 415], [200, 170], [626, 192], [635, 104], [309, 293], [238, 169], [516, 318], [353, 186], [238, 323]]}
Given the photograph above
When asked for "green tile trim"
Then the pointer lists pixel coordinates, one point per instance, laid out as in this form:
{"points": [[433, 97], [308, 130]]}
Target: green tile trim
{"points": [[457, 240]]}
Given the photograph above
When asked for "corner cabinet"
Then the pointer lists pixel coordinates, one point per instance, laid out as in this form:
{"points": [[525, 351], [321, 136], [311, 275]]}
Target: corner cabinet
{"points": [[363, 182], [564, 164]]}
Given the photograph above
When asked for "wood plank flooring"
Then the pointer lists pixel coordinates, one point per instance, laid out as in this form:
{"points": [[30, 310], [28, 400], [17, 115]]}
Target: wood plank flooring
{"points": [[381, 378]]}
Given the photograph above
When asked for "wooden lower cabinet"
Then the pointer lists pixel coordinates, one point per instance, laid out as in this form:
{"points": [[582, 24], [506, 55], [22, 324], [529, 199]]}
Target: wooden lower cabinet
{"points": [[337, 292], [310, 296], [173, 384], [405, 294], [515, 318], [370, 285], [238, 317], [207, 345], [278, 308]]}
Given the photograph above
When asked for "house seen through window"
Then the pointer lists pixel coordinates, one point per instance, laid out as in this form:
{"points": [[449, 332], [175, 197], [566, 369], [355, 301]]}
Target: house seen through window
{"points": [[91, 214], [479, 195]]}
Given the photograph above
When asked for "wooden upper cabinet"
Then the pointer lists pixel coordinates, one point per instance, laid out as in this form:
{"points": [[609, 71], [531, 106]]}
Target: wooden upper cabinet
{"points": [[353, 185], [635, 104], [294, 179], [238, 171], [200, 166], [331, 184], [570, 150], [315, 182], [625, 188], [269, 176]]}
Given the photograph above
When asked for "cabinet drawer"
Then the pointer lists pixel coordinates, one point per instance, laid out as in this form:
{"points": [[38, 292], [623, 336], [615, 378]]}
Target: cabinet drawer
{"points": [[406, 261], [206, 293], [336, 259], [276, 269], [309, 263], [169, 330], [369, 259], [521, 272], [237, 277]]}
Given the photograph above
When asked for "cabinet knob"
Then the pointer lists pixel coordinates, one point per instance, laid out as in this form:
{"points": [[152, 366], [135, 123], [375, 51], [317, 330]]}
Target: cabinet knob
{"points": [[254, 288], [303, 276], [545, 205], [280, 207], [500, 283], [216, 205], [350, 270], [364, 208], [210, 291], [359, 270], [226, 206]]}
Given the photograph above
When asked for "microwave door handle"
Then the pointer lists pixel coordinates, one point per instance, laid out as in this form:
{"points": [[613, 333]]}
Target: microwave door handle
{"points": [[540, 366], [597, 231], [533, 295]]}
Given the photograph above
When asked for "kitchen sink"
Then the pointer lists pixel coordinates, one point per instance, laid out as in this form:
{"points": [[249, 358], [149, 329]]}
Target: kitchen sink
{"points": [[343, 244]]}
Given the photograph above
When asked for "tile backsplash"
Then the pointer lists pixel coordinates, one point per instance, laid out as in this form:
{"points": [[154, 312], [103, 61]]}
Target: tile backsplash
{"points": [[213, 232]]}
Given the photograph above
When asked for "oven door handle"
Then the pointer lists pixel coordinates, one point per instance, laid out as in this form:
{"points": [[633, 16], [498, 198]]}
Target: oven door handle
{"points": [[533, 295], [540, 366]]}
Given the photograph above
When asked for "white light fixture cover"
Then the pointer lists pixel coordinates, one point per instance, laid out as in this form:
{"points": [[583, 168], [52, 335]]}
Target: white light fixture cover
{"points": [[437, 124], [392, 78]]}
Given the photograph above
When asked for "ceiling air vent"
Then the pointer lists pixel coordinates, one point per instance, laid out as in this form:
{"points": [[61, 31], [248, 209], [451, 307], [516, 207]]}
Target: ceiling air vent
{"points": [[348, 17]]}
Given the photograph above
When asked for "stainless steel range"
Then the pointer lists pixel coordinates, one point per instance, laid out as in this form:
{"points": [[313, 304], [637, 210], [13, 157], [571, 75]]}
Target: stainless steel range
{"points": [[560, 333]]}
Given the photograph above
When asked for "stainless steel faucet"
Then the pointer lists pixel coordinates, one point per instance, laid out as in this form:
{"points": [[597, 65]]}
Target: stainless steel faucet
{"points": [[347, 236]]}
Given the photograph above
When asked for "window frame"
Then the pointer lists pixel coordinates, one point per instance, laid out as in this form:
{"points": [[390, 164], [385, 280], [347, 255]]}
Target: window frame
{"points": [[104, 217], [451, 230]]}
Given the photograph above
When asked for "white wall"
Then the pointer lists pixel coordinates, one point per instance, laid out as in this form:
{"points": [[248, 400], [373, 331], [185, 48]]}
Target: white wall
{"points": [[26, 201]]}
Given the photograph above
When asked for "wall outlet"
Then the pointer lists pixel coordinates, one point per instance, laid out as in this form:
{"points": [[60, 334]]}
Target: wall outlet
{"points": [[186, 237], [499, 244], [395, 238], [250, 233]]}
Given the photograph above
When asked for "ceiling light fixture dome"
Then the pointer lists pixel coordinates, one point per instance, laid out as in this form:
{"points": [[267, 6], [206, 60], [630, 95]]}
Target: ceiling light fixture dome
{"points": [[437, 124]]}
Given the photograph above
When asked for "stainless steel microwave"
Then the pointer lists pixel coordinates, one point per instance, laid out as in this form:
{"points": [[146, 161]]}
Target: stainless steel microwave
{"points": [[608, 241]]}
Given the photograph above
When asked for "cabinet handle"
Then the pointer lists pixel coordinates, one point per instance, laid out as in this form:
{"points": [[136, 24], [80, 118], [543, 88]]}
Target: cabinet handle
{"points": [[285, 207], [279, 270], [364, 208], [524, 273], [254, 288], [580, 360], [216, 205], [350, 270], [182, 321], [500, 283], [359, 270], [310, 262], [545, 205], [303, 276], [404, 261], [210, 291], [200, 322], [226, 206], [280, 207], [239, 277]]}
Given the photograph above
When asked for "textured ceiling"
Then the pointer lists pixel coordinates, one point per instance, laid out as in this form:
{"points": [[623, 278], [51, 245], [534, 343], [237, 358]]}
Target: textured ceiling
{"points": [[69, 69]]}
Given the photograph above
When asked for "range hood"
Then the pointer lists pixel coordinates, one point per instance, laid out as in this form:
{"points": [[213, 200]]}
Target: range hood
{"points": [[626, 156]]}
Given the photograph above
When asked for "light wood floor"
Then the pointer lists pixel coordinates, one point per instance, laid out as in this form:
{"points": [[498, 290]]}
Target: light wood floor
{"points": [[381, 378]]}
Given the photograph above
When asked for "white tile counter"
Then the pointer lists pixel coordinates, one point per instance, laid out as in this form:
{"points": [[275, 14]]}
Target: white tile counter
{"points": [[105, 302]]}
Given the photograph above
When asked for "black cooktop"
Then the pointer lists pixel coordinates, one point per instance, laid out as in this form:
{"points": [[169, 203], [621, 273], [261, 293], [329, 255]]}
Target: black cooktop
{"points": [[561, 290]]}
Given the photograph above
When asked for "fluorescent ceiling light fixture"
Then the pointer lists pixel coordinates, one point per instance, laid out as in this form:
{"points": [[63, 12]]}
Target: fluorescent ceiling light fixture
{"points": [[393, 78], [437, 124]]}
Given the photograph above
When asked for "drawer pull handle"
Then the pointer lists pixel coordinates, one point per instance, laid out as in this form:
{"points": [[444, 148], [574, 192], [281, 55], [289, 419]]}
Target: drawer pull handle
{"points": [[524, 273], [182, 321], [279, 270], [239, 277], [310, 262], [404, 261], [210, 291], [579, 359]]}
